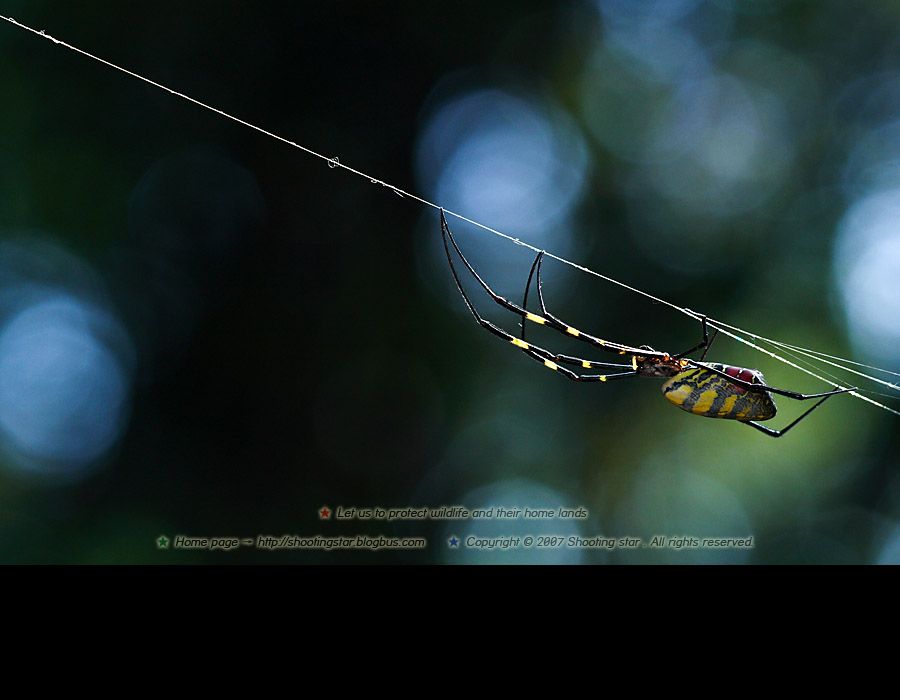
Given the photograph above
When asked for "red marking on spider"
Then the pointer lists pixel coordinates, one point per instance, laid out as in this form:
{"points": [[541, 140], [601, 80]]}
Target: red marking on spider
{"points": [[753, 376]]}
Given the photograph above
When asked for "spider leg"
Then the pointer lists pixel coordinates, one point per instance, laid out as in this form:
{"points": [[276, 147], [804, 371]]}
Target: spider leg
{"points": [[528, 287], [704, 344], [538, 262], [554, 323], [568, 359], [778, 433], [547, 358]]}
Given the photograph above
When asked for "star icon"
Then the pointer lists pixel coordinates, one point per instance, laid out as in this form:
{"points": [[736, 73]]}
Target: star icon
{"points": [[162, 542], [453, 542], [324, 514]]}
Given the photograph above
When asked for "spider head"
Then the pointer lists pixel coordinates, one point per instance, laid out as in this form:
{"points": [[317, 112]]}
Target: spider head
{"points": [[658, 367]]}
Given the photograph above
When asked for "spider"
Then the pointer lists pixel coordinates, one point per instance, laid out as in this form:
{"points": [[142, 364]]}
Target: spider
{"points": [[702, 388]]}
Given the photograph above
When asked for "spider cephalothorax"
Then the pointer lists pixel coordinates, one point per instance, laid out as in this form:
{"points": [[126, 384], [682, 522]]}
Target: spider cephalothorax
{"points": [[658, 367], [702, 388]]}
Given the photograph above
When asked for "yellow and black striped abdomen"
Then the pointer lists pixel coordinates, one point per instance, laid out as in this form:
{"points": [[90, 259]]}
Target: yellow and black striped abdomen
{"points": [[704, 393]]}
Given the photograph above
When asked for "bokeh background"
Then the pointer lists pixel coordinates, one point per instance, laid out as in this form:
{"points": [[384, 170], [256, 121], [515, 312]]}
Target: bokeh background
{"points": [[204, 331]]}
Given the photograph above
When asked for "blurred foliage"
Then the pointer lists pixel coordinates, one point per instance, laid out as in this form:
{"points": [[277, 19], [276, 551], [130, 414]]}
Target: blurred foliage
{"points": [[293, 336]]}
